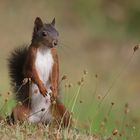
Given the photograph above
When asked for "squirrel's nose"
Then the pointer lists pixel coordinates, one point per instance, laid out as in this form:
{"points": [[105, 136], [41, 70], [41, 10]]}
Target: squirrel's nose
{"points": [[54, 43]]}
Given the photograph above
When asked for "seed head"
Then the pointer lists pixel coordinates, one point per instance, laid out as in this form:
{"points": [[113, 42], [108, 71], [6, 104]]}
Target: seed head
{"points": [[126, 105], [19, 103], [102, 124], [112, 103], [71, 113], [14, 84], [136, 48], [99, 97], [23, 131], [96, 76], [79, 83], [29, 79], [126, 125], [64, 77], [81, 101], [126, 111], [105, 119], [8, 93], [134, 127], [85, 72], [6, 100], [25, 115], [82, 79], [126, 108], [25, 80], [54, 102], [109, 138], [70, 85], [115, 132]]}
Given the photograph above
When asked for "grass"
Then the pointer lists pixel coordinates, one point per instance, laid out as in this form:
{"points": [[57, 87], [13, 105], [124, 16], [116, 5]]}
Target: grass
{"points": [[99, 104], [95, 116]]}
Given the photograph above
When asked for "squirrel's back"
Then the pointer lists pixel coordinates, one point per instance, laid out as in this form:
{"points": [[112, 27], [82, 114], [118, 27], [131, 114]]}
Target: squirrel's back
{"points": [[16, 63]]}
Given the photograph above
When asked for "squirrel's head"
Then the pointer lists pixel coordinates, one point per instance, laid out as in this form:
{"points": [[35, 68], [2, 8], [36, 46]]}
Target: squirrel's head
{"points": [[45, 34]]}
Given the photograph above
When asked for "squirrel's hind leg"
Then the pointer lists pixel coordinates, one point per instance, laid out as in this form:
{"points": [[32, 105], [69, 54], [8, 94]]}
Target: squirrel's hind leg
{"points": [[20, 113], [61, 115]]}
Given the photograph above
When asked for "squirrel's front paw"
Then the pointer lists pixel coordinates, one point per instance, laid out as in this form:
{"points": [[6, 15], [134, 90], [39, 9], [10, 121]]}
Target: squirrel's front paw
{"points": [[43, 90]]}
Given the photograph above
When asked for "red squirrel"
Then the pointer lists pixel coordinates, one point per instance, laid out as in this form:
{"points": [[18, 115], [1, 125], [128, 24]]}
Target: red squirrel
{"points": [[39, 64]]}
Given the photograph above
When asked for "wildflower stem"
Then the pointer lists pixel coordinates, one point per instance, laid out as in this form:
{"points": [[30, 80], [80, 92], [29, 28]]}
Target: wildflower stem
{"points": [[75, 98], [117, 77]]}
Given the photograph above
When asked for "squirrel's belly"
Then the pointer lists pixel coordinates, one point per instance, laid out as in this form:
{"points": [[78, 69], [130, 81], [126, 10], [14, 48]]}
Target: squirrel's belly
{"points": [[40, 106]]}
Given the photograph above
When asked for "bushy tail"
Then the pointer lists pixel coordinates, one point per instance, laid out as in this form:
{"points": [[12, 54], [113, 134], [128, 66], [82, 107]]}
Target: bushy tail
{"points": [[16, 63]]}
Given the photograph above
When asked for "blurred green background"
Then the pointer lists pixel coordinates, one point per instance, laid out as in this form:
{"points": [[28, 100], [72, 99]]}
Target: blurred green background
{"points": [[96, 35]]}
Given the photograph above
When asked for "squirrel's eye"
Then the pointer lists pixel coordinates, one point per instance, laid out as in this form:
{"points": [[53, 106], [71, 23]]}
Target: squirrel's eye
{"points": [[44, 33]]}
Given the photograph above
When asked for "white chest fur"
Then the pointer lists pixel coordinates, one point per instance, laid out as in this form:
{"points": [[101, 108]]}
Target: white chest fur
{"points": [[43, 64]]}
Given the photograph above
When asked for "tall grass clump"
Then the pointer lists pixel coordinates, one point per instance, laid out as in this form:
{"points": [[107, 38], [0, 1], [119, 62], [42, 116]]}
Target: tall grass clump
{"points": [[95, 116]]}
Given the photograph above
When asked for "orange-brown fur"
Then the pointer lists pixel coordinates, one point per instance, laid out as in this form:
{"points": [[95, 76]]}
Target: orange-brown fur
{"points": [[61, 115], [55, 73], [21, 112]]}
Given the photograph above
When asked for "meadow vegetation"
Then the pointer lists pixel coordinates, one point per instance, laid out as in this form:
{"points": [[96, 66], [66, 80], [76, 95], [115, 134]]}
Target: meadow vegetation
{"points": [[99, 66]]}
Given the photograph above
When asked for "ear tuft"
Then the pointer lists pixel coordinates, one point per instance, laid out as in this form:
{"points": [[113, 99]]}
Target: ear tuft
{"points": [[38, 23], [53, 22]]}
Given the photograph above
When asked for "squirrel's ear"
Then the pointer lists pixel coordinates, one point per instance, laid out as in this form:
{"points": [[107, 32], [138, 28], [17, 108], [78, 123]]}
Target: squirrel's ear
{"points": [[38, 23], [53, 22]]}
